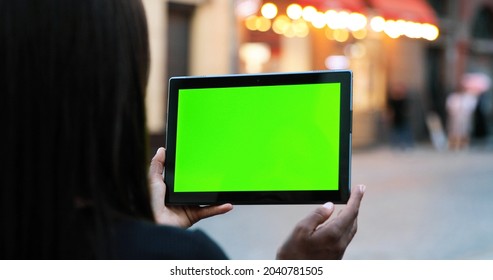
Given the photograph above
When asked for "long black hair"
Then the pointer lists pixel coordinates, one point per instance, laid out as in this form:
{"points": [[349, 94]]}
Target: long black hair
{"points": [[73, 150]]}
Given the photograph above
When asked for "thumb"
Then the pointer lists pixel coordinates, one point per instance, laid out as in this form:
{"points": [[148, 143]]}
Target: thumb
{"points": [[317, 217], [157, 164], [209, 211]]}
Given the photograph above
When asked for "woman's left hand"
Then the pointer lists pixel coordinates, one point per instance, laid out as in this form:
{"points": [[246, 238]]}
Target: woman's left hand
{"points": [[180, 216]]}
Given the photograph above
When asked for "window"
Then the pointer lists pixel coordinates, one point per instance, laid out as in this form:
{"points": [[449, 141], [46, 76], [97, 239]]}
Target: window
{"points": [[483, 24], [440, 7]]}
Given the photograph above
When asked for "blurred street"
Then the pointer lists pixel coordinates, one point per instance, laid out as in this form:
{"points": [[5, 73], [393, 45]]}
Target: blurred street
{"points": [[419, 204]]}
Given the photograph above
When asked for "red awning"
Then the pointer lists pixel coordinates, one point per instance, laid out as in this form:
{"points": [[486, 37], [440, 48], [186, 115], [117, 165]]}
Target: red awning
{"points": [[323, 5], [410, 10]]}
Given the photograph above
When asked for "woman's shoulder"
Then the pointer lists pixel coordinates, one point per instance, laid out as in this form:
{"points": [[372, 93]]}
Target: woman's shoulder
{"points": [[139, 239]]}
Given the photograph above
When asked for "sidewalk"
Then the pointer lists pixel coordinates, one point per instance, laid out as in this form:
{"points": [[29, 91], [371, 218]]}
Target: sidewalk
{"points": [[419, 204], [425, 205]]}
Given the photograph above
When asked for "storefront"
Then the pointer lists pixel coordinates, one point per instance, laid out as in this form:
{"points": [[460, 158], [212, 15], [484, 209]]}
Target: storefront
{"points": [[381, 42]]}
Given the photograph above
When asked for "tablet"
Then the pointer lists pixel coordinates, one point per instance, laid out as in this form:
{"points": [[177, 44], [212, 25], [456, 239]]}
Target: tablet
{"points": [[280, 138]]}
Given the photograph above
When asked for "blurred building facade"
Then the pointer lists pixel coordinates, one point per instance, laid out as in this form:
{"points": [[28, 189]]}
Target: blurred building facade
{"points": [[205, 37]]}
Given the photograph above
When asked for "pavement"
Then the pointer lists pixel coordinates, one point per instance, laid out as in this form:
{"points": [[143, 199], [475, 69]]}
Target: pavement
{"points": [[420, 204]]}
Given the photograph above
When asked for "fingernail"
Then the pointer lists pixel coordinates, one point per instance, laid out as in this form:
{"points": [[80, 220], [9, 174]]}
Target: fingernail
{"points": [[329, 205], [362, 188]]}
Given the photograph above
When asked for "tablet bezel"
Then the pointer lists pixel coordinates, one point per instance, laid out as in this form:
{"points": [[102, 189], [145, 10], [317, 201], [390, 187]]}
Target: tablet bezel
{"points": [[340, 196]]}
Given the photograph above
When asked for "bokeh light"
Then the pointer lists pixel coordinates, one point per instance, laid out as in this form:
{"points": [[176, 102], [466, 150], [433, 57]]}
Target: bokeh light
{"points": [[269, 10]]}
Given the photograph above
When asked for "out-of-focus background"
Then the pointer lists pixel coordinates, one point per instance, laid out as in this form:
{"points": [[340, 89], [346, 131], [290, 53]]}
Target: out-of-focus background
{"points": [[423, 110], [420, 204]]}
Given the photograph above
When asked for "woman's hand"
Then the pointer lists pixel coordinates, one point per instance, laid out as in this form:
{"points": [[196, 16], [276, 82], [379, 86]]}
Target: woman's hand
{"points": [[180, 216], [317, 237]]}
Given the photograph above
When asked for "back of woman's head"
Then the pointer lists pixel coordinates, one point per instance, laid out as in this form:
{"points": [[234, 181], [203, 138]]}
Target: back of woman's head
{"points": [[72, 118]]}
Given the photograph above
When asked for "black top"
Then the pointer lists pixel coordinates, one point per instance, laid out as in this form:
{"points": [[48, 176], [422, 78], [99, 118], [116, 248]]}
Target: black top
{"points": [[139, 240], [399, 107]]}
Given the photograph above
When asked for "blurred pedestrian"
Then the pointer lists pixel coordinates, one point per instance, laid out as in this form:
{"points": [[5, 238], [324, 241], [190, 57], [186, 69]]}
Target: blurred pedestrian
{"points": [[478, 84], [460, 108], [481, 129], [398, 112], [74, 177]]}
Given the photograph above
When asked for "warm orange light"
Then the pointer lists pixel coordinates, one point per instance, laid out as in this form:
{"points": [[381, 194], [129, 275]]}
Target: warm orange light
{"points": [[269, 10], [412, 29], [377, 24], [281, 24], [318, 20], [340, 24], [290, 33], [300, 28], [308, 13], [391, 29], [294, 11], [430, 32], [356, 21], [337, 20], [263, 24], [341, 35], [251, 23], [331, 17], [329, 34], [360, 34]]}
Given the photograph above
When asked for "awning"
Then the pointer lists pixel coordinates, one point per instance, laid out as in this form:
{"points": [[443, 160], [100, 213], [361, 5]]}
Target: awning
{"points": [[410, 10], [323, 5]]}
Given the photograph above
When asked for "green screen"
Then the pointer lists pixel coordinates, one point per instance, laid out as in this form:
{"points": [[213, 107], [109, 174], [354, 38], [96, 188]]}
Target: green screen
{"points": [[261, 138]]}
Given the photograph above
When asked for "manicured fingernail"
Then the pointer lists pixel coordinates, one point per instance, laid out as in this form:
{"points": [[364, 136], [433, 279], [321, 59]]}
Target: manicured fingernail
{"points": [[329, 205], [362, 188]]}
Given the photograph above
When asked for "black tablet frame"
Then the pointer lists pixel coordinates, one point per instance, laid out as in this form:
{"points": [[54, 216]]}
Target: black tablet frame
{"points": [[344, 77]]}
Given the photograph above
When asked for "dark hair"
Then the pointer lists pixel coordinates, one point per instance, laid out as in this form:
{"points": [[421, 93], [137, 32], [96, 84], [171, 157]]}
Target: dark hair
{"points": [[72, 116]]}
